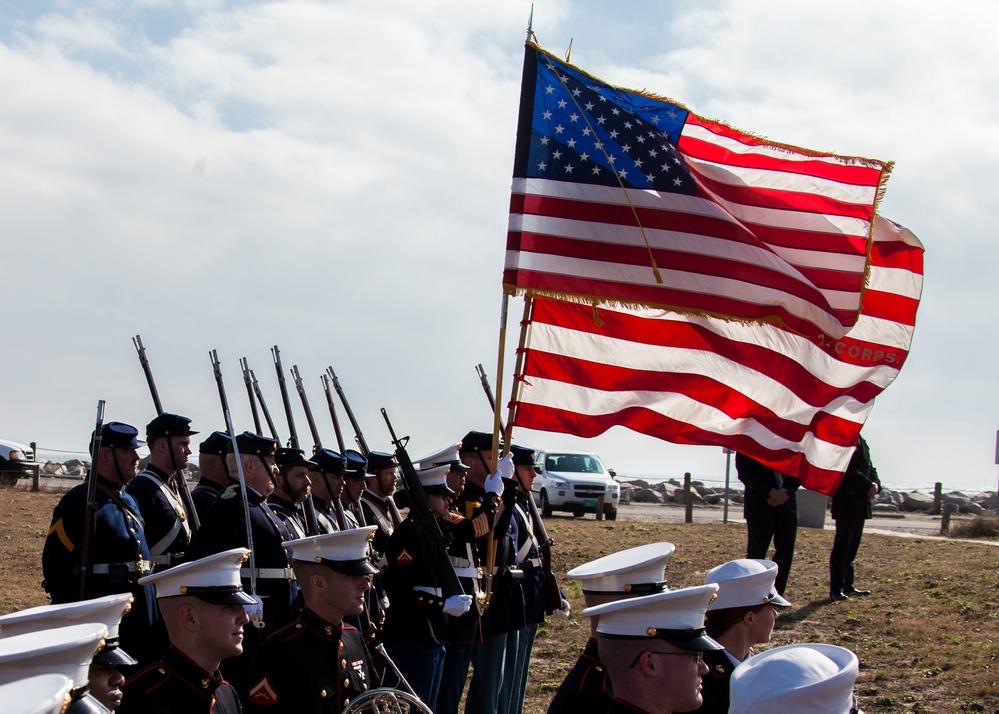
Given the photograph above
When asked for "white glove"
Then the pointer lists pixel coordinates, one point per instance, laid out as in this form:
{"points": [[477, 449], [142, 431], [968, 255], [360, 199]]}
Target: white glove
{"points": [[494, 483], [256, 610], [505, 466], [457, 605], [563, 613]]}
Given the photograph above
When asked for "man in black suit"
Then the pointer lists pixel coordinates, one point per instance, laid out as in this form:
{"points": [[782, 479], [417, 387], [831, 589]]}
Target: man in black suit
{"points": [[771, 513], [851, 506]]}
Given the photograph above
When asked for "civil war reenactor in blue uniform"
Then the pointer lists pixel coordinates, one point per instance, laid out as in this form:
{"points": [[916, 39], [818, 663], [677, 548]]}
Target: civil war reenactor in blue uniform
{"points": [[291, 489], [204, 607], [354, 476], [504, 615], [225, 528], [168, 533], [118, 553], [629, 573], [327, 484], [319, 662], [214, 472]]}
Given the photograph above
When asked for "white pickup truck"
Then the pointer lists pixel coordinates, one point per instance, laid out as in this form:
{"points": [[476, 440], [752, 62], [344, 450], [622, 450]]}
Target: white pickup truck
{"points": [[574, 481]]}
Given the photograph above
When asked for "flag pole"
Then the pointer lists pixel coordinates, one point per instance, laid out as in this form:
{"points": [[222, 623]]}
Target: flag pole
{"points": [[525, 322], [499, 377]]}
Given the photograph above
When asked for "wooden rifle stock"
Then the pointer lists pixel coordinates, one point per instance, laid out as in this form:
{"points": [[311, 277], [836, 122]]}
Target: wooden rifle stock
{"points": [[180, 479], [553, 594], [90, 516]]}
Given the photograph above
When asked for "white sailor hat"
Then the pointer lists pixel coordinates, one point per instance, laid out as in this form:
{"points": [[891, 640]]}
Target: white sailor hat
{"points": [[676, 616], [745, 583], [345, 552], [443, 457], [214, 579], [795, 679], [44, 694], [635, 571], [61, 650], [108, 610], [434, 480]]}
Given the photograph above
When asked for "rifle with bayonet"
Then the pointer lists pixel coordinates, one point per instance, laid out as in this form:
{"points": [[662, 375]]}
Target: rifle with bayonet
{"points": [[180, 479], [426, 525], [358, 436], [90, 516], [263, 406], [553, 594], [341, 520], [308, 508], [217, 369], [248, 381], [393, 509]]}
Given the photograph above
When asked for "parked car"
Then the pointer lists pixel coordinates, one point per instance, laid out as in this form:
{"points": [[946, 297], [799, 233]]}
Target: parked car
{"points": [[573, 481], [16, 461]]}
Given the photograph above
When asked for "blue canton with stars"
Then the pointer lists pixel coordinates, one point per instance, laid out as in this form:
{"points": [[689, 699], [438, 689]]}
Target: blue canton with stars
{"points": [[585, 131]]}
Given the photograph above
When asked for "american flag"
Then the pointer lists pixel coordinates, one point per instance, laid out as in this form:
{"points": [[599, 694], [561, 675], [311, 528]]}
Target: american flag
{"points": [[793, 403], [610, 182]]}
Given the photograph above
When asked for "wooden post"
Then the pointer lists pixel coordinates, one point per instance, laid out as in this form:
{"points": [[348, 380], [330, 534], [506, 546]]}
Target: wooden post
{"points": [[937, 499], [36, 468], [688, 499], [948, 511]]}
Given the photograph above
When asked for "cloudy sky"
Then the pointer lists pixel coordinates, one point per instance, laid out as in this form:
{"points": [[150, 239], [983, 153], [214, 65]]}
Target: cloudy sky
{"points": [[334, 177]]}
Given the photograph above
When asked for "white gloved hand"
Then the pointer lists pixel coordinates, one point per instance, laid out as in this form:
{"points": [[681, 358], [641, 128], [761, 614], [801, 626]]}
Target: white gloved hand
{"points": [[256, 609], [494, 484], [563, 613], [505, 466], [457, 605]]}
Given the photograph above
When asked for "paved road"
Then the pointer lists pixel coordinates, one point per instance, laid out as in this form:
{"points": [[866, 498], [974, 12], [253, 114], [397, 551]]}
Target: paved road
{"points": [[910, 525]]}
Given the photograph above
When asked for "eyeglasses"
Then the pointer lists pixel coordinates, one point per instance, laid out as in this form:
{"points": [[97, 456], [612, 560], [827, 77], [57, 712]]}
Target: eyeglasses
{"points": [[698, 657]]}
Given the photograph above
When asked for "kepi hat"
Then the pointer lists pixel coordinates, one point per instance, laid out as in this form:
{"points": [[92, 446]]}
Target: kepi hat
{"points": [[356, 464], [118, 435], [329, 462], [287, 458], [250, 444], [378, 460], [167, 424], [217, 444]]}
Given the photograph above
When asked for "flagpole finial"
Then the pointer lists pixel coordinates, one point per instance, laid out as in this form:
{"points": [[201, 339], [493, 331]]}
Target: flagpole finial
{"points": [[568, 52], [530, 26]]}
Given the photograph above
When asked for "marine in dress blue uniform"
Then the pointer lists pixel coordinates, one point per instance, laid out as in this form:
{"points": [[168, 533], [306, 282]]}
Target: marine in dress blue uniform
{"points": [[103, 677], [225, 528], [504, 616], [741, 616], [119, 554], [630, 573], [319, 663], [67, 650], [653, 648], [203, 605]]}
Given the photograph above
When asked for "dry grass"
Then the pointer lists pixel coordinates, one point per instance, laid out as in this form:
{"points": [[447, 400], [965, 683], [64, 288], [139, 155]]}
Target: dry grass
{"points": [[928, 638]]}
